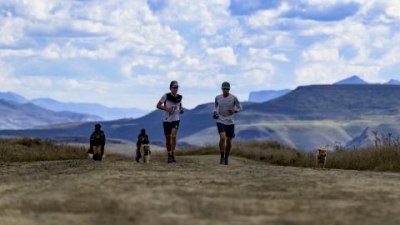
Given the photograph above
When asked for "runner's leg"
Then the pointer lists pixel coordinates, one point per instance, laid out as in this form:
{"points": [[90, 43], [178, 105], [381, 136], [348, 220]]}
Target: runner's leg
{"points": [[167, 132], [173, 143], [228, 149], [222, 146], [230, 134]]}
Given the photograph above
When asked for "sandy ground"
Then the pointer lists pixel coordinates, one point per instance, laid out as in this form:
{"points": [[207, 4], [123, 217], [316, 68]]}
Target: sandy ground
{"points": [[195, 190]]}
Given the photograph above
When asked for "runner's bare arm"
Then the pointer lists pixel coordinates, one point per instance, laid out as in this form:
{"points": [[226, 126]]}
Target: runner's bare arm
{"points": [[181, 110], [215, 113], [160, 106], [238, 105]]}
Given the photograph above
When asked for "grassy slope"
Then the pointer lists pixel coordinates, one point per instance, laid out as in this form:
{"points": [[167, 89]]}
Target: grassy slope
{"points": [[336, 101]]}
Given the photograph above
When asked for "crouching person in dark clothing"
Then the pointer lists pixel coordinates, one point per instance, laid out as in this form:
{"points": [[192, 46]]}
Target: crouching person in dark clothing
{"points": [[143, 139], [97, 142]]}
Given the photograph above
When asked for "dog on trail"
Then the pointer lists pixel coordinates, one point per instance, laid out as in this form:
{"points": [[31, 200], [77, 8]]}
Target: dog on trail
{"points": [[145, 151], [321, 157]]}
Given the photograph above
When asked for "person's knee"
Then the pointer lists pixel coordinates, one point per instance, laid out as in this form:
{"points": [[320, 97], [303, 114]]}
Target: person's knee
{"points": [[173, 133], [222, 138]]}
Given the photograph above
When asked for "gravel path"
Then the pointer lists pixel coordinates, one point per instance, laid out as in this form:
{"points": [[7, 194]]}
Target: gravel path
{"points": [[196, 190]]}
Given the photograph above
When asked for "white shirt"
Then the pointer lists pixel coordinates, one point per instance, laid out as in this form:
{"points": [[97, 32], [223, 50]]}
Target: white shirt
{"points": [[223, 104], [171, 102]]}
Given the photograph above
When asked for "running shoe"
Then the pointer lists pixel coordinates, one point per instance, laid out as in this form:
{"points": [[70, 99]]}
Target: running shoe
{"points": [[173, 158], [170, 158]]}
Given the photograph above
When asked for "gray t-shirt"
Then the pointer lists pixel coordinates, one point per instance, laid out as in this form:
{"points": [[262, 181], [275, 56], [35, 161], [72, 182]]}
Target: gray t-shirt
{"points": [[171, 102], [223, 104]]}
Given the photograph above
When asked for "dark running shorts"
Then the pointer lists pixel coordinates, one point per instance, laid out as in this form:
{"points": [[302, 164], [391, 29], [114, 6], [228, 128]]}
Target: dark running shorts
{"points": [[229, 130], [168, 126]]}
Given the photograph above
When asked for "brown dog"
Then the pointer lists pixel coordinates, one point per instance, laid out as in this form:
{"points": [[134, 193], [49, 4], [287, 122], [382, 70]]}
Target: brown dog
{"points": [[321, 157]]}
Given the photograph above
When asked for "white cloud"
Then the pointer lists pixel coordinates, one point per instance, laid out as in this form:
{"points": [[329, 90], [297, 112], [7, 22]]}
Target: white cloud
{"points": [[392, 56], [267, 18], [330, 73], [6, 76], [206, 16], [266, 54], [321, 53], [191, 61], [325, 3], [11, 30], [255, 78], [198, 43], [235, 35], [132, 26], [393, 9], [16, 52], [225, 55], [148, 80], [36, 82]]}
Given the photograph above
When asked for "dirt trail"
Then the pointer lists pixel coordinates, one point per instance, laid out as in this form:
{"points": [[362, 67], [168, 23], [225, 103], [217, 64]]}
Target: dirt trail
{"points": [[196, 190]]}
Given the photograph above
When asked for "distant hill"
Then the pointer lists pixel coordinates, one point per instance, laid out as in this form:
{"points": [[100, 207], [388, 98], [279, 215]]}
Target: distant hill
{"points": [[307, 117], [28, 115], [317, 102], [393, 82], [108, 113], [10, 96], [266, 95], [352, 80]]}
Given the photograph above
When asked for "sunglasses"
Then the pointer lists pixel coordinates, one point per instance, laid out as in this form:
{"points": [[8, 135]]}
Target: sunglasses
{"points": [[175, 87], [225, 89]]}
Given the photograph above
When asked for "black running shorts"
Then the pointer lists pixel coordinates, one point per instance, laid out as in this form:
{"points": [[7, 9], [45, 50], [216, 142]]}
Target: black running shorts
{"points": [[229, 130], [168, 126]]}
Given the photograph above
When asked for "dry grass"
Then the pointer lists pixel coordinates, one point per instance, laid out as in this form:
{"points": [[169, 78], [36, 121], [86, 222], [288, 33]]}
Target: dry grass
{"points": [[29, 150], [385, 158]]}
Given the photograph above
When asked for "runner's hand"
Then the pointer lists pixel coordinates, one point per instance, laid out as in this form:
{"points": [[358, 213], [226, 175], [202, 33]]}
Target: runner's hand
{"points": [[181, 111], [169, 110], [215, 116]]}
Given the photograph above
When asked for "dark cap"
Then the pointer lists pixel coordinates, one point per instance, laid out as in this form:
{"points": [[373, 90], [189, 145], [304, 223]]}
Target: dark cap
{"points": [[142, 131], [97, 126], [226, 85], [173, 83]]}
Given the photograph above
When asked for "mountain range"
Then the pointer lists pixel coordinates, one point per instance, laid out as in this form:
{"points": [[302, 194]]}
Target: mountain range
{"points": [[305, 118], [27, 115], [103, 112], [266, 95], [107, 113]]}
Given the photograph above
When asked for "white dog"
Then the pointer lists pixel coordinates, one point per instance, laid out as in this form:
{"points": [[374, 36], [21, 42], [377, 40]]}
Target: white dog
{"points": [[145, 152]]}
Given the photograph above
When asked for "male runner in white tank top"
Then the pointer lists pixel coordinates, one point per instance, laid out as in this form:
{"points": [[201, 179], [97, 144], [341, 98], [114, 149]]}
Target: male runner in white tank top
{"points": [[226, 105], [171, 103]]}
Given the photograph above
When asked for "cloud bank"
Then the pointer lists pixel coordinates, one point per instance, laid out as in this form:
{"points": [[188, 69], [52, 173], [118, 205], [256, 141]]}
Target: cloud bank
{"points": [[125, 53]]}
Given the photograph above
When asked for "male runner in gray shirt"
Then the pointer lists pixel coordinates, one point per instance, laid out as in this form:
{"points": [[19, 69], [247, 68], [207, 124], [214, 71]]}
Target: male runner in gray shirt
{"points": [[226, 105], [171, 103]]}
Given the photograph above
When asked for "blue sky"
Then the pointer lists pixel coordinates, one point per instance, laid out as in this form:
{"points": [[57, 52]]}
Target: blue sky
{"points": [[124, 53]]}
